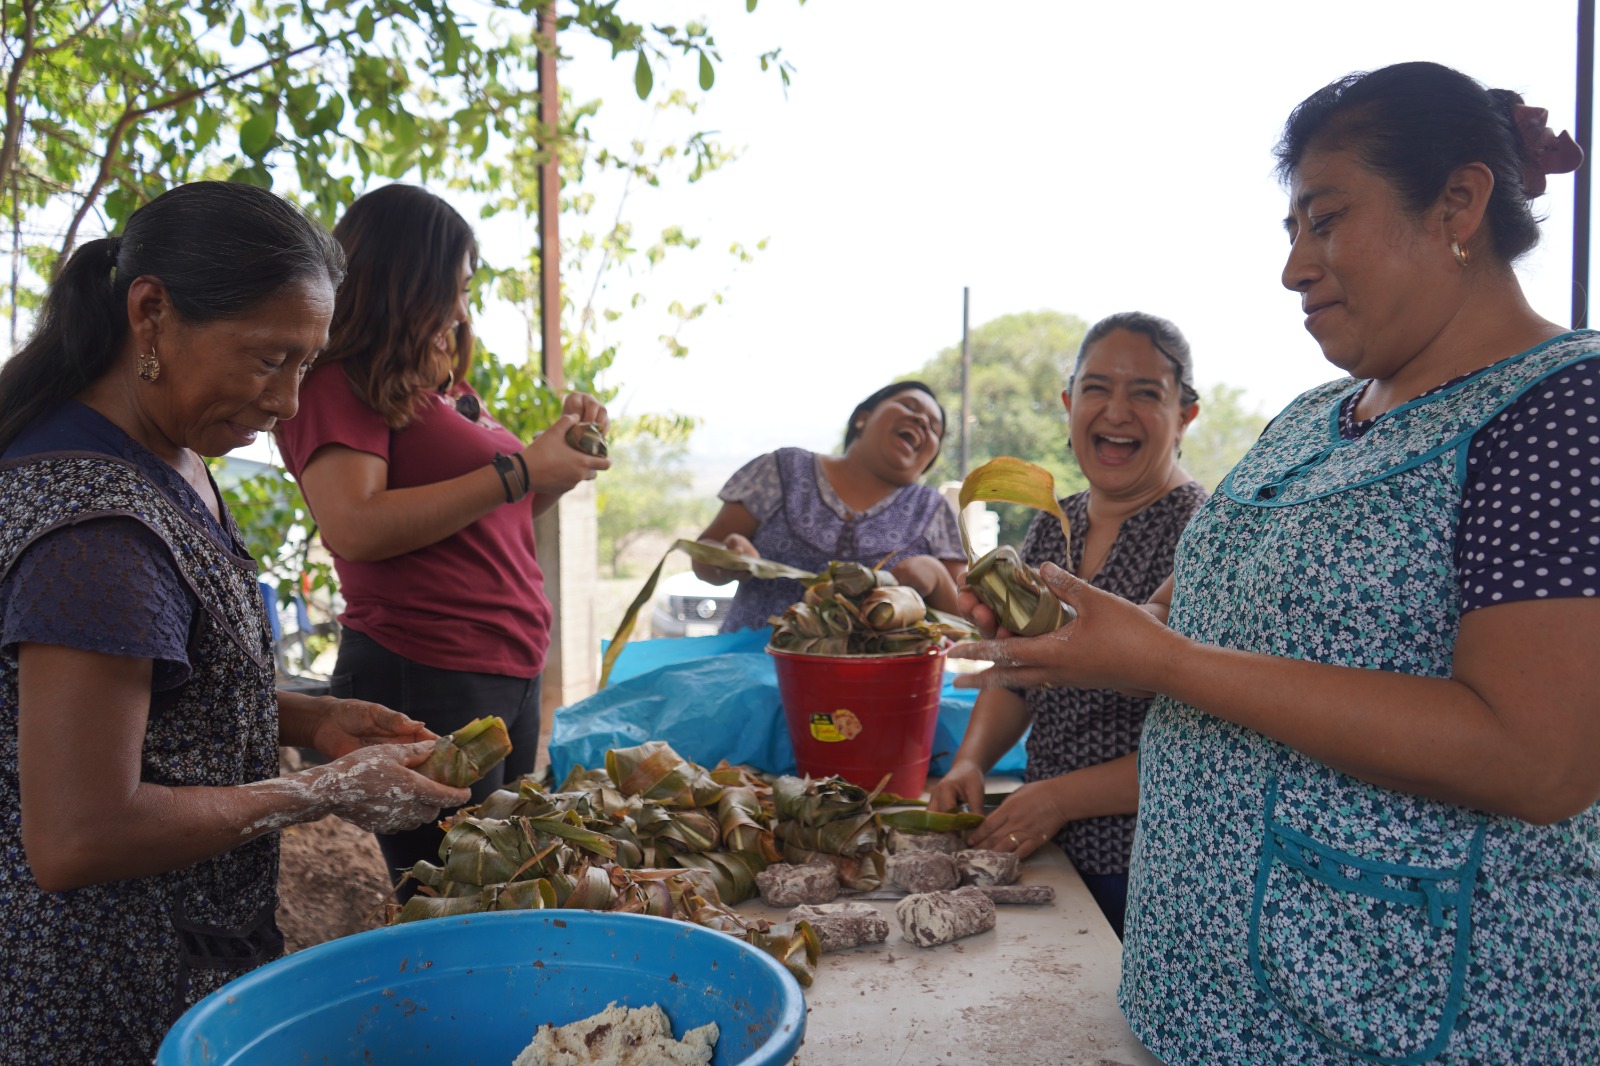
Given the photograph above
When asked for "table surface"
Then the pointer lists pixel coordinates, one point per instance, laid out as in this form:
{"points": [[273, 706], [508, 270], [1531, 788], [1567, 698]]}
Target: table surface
{"points": [[1040, 987]]}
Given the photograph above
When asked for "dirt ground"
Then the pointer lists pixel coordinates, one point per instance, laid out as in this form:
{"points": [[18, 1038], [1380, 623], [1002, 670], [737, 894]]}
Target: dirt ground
{"points": [[331, 882]]}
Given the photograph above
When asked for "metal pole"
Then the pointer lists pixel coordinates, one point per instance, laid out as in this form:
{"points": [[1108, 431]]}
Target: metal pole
{"points": [[966, 383], [1580, 191], [550, 204]]}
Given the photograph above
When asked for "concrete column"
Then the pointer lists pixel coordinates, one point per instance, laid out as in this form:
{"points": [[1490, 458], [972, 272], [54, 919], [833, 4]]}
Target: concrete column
{"points": [[569, 550]]}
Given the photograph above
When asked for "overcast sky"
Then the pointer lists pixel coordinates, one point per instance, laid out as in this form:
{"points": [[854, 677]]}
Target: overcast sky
{"points": [[1085, 158]]}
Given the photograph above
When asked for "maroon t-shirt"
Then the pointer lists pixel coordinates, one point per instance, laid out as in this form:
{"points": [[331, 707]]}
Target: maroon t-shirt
{"points": [[473, 601]]}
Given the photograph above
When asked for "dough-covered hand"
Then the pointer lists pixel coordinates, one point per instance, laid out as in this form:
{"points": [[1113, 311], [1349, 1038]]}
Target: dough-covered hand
{"points": [[352, 724], [1111, 644], [962, 785], [1029, 817], [554, 466], [375, 788]]}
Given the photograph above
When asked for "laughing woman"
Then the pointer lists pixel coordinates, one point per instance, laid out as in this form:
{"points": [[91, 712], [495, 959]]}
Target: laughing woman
{"points": [[804, 509], [1130, 398]]}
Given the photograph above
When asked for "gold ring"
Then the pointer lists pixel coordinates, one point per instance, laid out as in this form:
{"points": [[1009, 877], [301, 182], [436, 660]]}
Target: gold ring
{"points": [[1013, 838]]}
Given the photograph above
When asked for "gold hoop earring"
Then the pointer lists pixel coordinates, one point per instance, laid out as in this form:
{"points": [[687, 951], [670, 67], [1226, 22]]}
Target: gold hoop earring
{"points": [[149, 366], [1462, 255]]}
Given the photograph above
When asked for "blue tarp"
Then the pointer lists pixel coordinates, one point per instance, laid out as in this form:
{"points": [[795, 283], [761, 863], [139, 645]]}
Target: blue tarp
{"points": [[714, 698]]}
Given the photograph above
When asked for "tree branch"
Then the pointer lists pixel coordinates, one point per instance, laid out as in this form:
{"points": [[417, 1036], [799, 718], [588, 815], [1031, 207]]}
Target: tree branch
{"points": [[12, 141], [72, 38], [132, 115]]}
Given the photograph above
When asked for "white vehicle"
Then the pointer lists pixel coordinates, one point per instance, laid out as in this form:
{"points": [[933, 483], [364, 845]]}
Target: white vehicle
{"points": [[688, 607]]}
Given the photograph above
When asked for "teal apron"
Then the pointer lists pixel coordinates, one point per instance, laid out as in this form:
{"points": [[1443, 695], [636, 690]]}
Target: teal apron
{"points": [[1283, 912]]}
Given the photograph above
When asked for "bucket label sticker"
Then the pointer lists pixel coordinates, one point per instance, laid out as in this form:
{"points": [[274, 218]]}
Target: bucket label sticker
{"points": [[832, 728]]}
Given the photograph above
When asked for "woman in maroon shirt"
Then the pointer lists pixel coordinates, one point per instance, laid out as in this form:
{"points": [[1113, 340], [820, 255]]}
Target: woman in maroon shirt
{"points": [[426, 502]]}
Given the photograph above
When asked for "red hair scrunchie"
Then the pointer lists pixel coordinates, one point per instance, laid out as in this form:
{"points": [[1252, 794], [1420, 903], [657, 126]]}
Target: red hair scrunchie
{"points": [[1543, 150]]}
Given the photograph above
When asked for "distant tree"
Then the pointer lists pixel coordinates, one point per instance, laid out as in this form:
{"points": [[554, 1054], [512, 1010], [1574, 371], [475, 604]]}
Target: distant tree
{"points": [[1220, 435], [1020, 365], [649, 488]]}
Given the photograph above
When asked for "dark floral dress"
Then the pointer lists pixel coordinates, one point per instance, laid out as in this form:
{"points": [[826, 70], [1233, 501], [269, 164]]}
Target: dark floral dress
{"points": [[1074, 728], [98, 974]]}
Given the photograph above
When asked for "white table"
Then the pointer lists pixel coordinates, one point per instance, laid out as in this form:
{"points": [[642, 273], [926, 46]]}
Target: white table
{"points": [[1038, 988]]}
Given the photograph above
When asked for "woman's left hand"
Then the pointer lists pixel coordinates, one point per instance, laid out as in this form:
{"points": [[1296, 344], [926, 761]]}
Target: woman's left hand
{"points": [[351, 724], [930, 577], [1110, 644], [587, 408], [1024, 822]]}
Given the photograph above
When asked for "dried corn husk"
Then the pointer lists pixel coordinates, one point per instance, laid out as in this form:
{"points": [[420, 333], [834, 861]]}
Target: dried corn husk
{"points": [[926, 821], [1014, 592], [656, 772], [1001, 580], [463, 757], [587, 438], [895, 607], [706, 553]]}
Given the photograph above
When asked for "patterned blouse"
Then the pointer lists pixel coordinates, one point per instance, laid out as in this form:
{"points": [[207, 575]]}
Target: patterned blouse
{"points": [[1073, 727], [104, 548], [805, 524]]}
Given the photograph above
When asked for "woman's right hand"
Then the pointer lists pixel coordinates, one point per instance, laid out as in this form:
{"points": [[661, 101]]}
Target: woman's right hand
{"points": [[554, 466], [738, 544], [962, 786], [375, 788]]}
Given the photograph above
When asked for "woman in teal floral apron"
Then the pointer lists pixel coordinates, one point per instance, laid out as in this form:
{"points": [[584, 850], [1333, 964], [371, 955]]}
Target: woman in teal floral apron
{"points": [[1368, 828]]}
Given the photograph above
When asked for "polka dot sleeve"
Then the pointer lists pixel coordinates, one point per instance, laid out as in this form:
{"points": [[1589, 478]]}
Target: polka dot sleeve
{"points": [[1530, 520]]}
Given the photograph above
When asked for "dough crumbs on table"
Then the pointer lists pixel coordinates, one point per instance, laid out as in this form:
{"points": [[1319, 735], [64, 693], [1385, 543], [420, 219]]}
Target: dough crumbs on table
{"points": [[620, 1036]]}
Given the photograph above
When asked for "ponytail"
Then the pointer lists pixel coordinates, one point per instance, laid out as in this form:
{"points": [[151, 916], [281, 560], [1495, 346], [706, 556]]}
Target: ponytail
{"points": [[80, 331]]}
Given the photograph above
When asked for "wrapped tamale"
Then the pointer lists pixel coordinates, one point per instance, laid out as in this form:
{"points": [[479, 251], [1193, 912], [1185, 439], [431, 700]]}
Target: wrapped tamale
{"points": [[464, 756], [1001, 580], [1015, 593], [587, 438]]}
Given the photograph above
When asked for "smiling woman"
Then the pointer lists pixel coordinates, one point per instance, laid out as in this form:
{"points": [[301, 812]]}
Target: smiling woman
{"points": [[134, 651], [804, 509]]}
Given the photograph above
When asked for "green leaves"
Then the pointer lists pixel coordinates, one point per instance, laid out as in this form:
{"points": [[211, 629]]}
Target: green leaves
{"points": [[256, 135], [707, 75], [642, 80]]}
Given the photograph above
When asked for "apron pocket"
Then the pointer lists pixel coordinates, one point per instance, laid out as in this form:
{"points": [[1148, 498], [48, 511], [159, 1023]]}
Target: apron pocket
{"points": [[1369, 956]]}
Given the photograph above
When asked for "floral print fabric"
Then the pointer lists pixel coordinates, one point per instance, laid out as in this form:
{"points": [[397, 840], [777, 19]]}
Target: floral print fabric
{"points": [[1281, 911], [99, 974], [1074, 727]]}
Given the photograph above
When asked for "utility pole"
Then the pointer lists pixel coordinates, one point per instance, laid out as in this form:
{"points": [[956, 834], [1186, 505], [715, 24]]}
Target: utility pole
{"points": [[566, 534], [966, 382], [1580, 191]]}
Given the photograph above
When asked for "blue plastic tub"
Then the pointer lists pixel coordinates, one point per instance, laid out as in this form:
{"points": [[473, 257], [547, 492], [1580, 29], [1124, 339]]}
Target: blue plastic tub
{"points": [[471, 992]]}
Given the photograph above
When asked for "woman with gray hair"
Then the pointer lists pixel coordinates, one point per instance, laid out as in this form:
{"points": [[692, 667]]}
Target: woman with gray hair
{"points": [[1130, 398]]}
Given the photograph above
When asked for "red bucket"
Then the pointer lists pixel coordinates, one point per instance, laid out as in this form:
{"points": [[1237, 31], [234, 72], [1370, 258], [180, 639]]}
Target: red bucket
{"points": [[862, 716]]}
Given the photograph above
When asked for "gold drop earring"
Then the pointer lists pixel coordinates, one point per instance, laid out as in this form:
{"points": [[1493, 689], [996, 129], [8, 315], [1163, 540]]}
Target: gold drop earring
{"points": [[149, 366]]}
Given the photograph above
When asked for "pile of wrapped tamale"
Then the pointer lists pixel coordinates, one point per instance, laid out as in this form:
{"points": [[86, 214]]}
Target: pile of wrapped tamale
{"points": [[653, 833], [851, 609]]}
